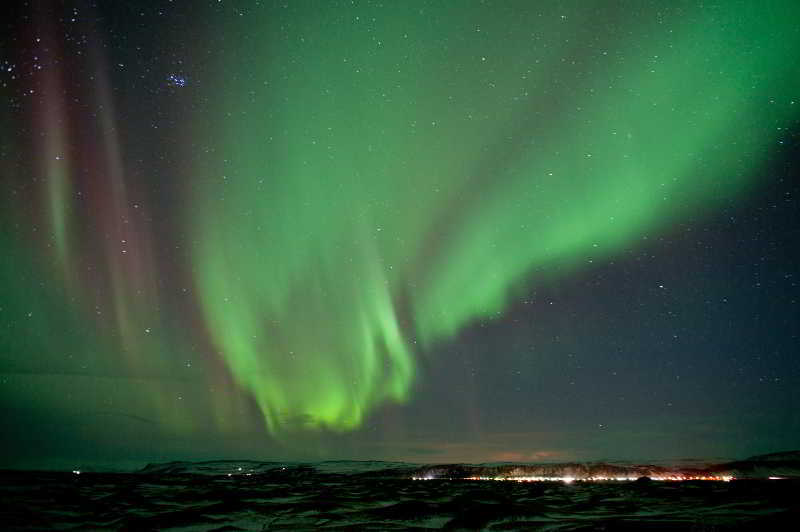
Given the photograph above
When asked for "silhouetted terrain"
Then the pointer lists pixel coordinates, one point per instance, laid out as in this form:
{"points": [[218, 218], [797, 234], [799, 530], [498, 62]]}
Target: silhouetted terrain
{"points": [[245, 495]]}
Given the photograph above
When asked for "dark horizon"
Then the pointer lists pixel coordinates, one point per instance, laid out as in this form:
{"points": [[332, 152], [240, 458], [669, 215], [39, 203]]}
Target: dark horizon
{"points": [[677, 463]]}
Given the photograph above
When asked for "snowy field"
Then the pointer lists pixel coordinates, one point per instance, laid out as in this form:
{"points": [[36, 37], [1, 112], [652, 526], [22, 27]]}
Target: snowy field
{"points": [[379, 496]]}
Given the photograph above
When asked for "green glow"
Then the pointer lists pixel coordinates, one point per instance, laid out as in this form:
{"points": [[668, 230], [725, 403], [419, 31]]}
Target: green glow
{"points": [[57, 178], [373, 191]]}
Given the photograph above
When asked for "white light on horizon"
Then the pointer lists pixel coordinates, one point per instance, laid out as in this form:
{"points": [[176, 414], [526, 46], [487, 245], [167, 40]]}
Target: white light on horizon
{"points": [[569, 480]]}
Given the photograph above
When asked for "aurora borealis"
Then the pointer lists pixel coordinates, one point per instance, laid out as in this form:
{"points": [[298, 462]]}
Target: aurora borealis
{"points": [[409, 230]]}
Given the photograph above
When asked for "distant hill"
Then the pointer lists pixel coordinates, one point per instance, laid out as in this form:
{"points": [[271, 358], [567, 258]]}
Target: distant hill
{"points": [[782, 464], [786, 456]]}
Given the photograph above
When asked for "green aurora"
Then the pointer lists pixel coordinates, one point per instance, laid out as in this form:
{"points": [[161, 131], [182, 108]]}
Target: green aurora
{"points": [[372, 192], [356, 188]]}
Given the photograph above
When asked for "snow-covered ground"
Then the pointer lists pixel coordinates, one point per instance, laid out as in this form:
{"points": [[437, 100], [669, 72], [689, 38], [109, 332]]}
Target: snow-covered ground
{"points": [[244, 495]]}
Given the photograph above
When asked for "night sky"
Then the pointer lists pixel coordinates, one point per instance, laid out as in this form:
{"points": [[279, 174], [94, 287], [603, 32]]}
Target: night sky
{"points": [[430, 231]]}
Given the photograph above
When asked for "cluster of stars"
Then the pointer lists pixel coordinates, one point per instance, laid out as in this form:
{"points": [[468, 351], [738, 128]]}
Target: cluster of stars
{"points": [[176, 80]]}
